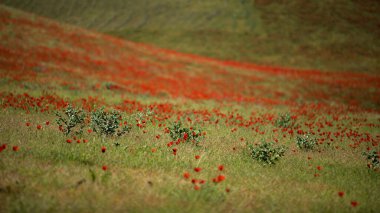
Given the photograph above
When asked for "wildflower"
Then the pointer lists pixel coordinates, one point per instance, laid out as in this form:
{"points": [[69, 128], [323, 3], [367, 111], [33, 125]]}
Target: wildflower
{"points": [[104, 168], [194, 181], [85, 140], [186, 175], [69, 141], [202, 181], [158, 136], [196, 187], [154, 150], [27, 124], [197, 169], [15, 148], [341, 194], [197, 157], [2, 147], [319, 168], [221, 168], [78, 141], [354, 203], [170, 144], [103, 149], [47, 123], [39, 126], [228, 190], [185, 136], [89, 130], [221, 178]]}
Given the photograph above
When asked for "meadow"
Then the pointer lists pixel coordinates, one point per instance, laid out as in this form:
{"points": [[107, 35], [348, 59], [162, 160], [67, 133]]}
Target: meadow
{"points": [[96, 123]]}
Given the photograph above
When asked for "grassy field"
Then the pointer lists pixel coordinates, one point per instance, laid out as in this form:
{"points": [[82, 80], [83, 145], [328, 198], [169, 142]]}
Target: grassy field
{"points": [[228, 109], [339, 36]]}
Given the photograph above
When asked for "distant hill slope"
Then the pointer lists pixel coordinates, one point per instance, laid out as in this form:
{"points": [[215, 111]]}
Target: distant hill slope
{"points": [[328, 35]]}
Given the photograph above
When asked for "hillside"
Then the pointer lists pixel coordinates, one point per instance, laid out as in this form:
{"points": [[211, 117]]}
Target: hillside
{"points": [[340, 35], [95, 123]]}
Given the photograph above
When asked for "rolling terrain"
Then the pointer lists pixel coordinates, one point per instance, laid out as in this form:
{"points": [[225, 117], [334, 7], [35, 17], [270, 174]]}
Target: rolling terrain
{"points": [[322, 126], [325, 35]]}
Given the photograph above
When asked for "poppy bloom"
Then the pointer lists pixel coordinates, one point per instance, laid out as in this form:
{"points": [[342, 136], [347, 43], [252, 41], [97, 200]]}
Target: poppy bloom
{"points": [[47, 123], [85, 140], [221, 178], [175, 150], [202, 181], [103, 149], [15, 148], [170, 144], [104, 168], [228, 190], [89, 130], [154, 149], [354, 203], [39, 126], [196, 187], [197, 157], [186, 175], [69, 141], [194, 181], [158, 136], [197, 169], [78, 141], [2, 147], [221, 168], [27, 124], [185, 136], [341, 194], [319, 168]]}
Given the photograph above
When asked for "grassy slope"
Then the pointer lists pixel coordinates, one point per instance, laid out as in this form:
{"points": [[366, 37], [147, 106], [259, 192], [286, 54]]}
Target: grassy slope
{"points": [[59, 174], [339, 35]]}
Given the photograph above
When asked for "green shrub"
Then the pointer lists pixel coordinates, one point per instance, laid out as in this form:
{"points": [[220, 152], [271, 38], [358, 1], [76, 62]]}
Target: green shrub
{"points": [[284, 121], [373, 159], [180, 133], [107, 123], [267, 153], [306, 142], [72, 121]]}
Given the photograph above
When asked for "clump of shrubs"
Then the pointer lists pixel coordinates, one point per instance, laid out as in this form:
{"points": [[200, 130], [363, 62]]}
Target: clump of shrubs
{"points": [[306, 142], [74, 120], [267, 152]]}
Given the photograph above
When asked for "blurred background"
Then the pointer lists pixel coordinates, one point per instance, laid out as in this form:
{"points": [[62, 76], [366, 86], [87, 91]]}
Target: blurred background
{"points": [[339, 35]]}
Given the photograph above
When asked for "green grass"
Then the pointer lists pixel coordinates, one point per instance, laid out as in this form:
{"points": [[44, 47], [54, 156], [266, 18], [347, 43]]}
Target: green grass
{"points": [[338, 36]]}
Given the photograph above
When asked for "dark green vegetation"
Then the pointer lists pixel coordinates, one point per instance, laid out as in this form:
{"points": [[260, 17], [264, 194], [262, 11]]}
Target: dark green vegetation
{"points": [[328, 35]]}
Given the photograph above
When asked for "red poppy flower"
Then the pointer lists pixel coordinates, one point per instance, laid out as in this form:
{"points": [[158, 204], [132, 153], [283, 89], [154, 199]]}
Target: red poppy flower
{"points": [[47, 123], [175, 150], [197, 157], [85, 140], [221, 168], [104, 168], [221, 178], [341, 194], [354, 203], [39, 126], [196, 187], [69, 141], [228, 190], [319, 168], [89, 130], [103, 149], [170, 144], [15, 148], [78, 141], [27, 124], [186, 175], [194, 181], [185, 136], [197, 169], [154, 149], [202, 181]]}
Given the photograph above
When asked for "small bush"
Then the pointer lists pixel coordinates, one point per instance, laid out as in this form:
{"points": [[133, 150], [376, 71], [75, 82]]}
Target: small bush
{"points": [[72, 122], [373, 159], [107, 123], [180, 133], [306, 142], [284, 121], [267, 153]]}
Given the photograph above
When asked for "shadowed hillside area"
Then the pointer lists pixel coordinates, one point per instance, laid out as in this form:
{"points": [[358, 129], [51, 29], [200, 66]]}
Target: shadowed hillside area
{"points": [[337, 35]]}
